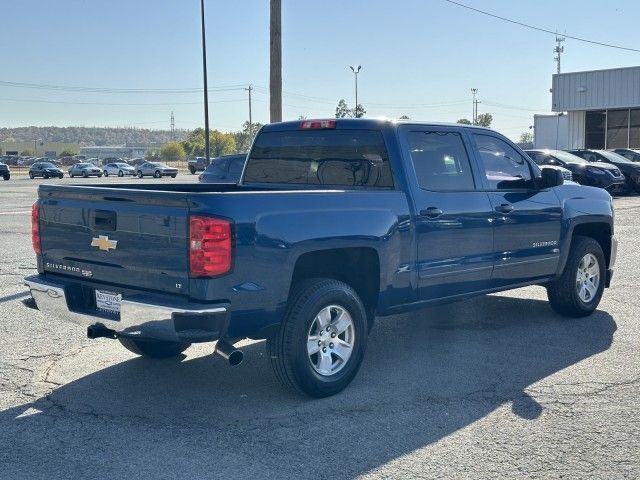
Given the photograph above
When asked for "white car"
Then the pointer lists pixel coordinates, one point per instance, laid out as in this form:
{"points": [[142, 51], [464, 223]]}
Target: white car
{"points": [[119, 169]]}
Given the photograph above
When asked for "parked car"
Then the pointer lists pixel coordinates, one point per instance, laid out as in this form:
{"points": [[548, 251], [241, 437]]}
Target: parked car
{"points": [[4, 171], [119, 169], [630, 170], [333, 223], [136, 161], [225, 169], [597, 174], [84, 170], [198, 164], [628, 153], [45, 170], [156, 169]]}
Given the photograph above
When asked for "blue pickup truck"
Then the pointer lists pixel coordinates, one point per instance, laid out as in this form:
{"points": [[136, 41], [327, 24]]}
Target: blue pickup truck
{"points": [[334, 223]]}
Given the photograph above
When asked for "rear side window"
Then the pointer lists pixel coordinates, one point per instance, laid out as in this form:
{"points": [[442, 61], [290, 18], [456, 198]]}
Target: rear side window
{"points": [[340, 158], [218, 167], [440, 161], [237, 164], [504, 167]]}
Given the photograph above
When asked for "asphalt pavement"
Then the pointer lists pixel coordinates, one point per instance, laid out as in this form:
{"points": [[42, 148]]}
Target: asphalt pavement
{"points": [[495, 387]]}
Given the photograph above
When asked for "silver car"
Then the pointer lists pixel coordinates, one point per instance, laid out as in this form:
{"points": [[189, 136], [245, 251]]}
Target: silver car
{"points": [[119, 169], [156, 169], [84, 170]]}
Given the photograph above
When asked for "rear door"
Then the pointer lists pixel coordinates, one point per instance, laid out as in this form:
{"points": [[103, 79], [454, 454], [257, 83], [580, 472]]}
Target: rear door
{"points": [[527, 220], [453, 218], [117, 236]]}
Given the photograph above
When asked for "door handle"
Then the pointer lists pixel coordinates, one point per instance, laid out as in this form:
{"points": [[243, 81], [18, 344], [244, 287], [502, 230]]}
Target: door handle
{"points": [[431, 212], [504, 208]]}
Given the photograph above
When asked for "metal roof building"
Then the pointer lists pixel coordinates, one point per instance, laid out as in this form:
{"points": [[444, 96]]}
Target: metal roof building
{"points": [[602, 108]]}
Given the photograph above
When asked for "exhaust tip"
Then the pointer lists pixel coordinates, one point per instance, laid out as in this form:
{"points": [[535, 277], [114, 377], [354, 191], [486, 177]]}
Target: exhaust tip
{"points": [[236, 358], [229, 353]]}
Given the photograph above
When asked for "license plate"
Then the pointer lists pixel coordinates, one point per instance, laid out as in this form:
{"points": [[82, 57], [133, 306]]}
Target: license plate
{"points": [[108, 301]]}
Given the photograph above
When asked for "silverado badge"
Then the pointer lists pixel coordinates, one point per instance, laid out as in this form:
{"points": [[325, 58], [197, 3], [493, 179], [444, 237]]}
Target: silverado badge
{"points": [[103, 243]]}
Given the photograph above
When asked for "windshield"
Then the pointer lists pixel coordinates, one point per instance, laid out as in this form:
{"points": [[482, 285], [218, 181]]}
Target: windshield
{"points": [[124, 165], [567, 157], [613, 157], [84, 165], [48, 165]]}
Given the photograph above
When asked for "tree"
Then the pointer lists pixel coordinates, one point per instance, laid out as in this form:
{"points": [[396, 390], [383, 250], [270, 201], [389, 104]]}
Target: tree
{"points": [[221, 143], [244, 138], [464, 121], [152, 155], [27, 152], [68, 152], [172, 151], [404, 117], [359, 111], [194, 144], [484, 120], [526, 140], [342, 110]]}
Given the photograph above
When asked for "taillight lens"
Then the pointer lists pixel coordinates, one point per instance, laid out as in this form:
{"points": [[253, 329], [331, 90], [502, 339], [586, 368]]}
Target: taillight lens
{"points": [[209, 246], [35, 228]]}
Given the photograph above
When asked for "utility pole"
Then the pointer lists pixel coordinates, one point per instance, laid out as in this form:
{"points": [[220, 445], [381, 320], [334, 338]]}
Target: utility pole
{"points": [[250, 122], [355, 71], [173, 126], [559, 50], [275, 76], [206, 92], [474, 111]]}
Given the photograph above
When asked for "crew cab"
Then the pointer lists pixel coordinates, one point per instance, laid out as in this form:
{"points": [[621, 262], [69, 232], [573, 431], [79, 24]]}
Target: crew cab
{"points": [[333, 223]]}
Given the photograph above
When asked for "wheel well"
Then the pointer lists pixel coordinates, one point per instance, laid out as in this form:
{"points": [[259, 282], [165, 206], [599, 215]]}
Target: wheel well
{"points": [[357, 267], [600, 232]]}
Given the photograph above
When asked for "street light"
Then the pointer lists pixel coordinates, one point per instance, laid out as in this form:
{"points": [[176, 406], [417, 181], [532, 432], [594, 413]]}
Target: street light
{"points": [[355, 71]]}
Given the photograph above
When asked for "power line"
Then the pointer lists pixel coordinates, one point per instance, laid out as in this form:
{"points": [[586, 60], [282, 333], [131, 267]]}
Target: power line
{"points": [[540, 29], [24, 100], [72, 88]]}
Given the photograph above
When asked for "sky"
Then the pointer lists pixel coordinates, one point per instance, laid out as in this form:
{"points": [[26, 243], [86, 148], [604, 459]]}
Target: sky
{"points": [[419, 58]]}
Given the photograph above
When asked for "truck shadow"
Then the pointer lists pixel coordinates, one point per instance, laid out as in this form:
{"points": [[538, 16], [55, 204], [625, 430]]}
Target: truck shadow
{"points": [[426, 375]]}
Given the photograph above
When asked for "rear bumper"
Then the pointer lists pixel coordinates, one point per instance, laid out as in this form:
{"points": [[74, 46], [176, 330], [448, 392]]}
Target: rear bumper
{"points": [[141, 315]]}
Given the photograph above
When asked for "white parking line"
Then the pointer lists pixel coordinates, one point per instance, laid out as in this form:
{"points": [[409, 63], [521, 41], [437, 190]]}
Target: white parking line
{"points": [[16, 213]]}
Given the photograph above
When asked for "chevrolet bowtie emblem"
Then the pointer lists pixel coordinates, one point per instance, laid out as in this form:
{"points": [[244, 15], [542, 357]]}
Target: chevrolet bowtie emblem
{"points": [[103, 243]]}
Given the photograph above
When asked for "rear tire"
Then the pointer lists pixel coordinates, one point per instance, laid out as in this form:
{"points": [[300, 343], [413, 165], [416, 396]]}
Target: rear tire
{"points": [[578, 291], [317, 304], [192, 170], [139, 174], [46, 175], [31, 176], [120, 173], [106, 174], [174, 176], [154, 349], [157, 174]]}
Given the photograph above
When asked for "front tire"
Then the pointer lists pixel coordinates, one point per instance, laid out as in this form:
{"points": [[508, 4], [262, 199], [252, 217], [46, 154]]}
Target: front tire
{"points": [[157, 174], [31, 176], [578, 291], [106, 174], [120, 173], [319, 346], [192, 170], [154, 349]]}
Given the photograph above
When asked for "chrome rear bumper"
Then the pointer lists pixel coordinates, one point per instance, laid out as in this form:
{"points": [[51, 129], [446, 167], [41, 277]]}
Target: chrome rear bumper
{"points": [[140, 316]]}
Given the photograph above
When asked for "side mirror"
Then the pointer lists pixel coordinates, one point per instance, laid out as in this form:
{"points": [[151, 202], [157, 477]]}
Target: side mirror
{"points": [[551, 177]]}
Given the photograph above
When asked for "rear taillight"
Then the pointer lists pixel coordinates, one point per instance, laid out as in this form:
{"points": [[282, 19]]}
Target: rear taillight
{"points": [[317, 124], [35, 228], [209, 246]]}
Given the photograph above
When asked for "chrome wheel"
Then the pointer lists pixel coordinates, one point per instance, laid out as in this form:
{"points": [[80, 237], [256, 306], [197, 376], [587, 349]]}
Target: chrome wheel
{"points": [[588, 277], [330, 340]]}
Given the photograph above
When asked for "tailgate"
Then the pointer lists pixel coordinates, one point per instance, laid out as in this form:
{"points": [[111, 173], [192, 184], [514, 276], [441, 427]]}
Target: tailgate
{"points": [[118, 236]]}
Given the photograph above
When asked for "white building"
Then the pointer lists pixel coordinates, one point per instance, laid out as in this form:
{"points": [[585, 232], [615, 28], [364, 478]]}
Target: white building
{"points": [[113, 151], [594, 109]]}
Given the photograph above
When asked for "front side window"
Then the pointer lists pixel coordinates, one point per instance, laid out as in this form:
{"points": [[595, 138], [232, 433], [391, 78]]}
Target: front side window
{"points": [[339, 158], [440, 161], [504, 167]]}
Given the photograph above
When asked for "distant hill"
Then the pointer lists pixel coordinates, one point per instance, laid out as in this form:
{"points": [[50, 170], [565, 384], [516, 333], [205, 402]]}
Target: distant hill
{"points": [[87, 136]]}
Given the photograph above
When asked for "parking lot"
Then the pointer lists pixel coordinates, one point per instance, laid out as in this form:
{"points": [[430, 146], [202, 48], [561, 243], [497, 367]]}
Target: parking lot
{"points": [[498, 386]]}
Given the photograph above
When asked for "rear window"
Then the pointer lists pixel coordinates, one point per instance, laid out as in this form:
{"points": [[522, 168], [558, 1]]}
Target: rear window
{"points": [[341, 158]]}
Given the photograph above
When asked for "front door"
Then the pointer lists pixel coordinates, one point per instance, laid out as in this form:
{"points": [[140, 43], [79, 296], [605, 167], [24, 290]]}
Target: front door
{"points": [[527, 219], [453, 223]]}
